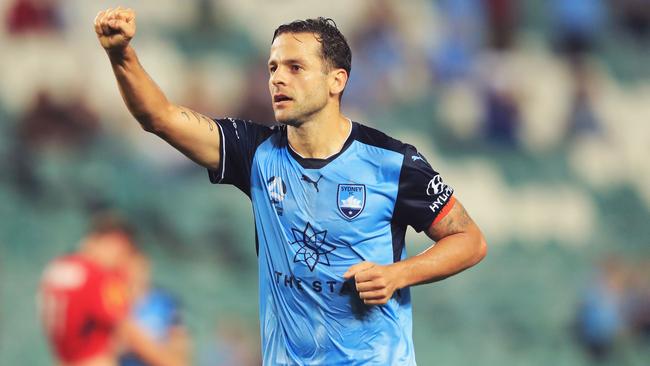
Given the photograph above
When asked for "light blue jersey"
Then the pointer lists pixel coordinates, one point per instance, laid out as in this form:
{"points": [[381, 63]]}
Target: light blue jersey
{"points": [[156, 313], [317, 217]]}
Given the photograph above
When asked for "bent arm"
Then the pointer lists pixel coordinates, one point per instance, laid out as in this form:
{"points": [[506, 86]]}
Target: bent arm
{"points": [[459, 245], [192, 133]]}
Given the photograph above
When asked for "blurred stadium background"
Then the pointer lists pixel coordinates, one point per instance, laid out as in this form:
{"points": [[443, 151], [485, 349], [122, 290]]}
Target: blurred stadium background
{"points": [[537, 112]]}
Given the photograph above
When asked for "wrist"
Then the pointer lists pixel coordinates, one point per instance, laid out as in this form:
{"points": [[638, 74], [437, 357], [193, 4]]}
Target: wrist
{"points": [[400, 275], [120, 55]]}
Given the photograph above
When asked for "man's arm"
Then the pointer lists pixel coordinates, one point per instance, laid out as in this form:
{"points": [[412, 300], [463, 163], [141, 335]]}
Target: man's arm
{"points": [[175, 352], [192, 133], [459, 245]]}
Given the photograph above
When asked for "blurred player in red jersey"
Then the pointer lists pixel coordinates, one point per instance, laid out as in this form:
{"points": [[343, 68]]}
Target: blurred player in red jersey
{"points": [[84, 295], [84, 300]]}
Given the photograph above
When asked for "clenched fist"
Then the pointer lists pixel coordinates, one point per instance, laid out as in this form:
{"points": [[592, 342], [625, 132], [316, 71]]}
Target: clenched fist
{"points": [[115, 28], [375, 283]]}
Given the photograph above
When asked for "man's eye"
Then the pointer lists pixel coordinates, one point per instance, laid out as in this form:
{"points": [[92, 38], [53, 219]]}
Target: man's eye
{"points": [[272, 69], [295, 68]]}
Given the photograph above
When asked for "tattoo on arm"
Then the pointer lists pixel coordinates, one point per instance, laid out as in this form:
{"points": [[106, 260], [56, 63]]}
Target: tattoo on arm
{"points": [[456, 221], [198, 117], [208, 121]]}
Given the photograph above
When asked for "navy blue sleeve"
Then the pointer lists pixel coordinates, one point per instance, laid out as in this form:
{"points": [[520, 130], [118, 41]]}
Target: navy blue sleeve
{"points": [[423, 197], [239, 140]]}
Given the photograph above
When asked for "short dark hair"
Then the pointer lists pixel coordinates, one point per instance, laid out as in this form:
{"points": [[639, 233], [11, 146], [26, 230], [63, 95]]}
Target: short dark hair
{"points": [[334, 47], [109, 222]]}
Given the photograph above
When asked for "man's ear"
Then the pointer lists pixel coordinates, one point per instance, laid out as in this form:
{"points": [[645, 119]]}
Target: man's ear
{"points": [[338, 79]]}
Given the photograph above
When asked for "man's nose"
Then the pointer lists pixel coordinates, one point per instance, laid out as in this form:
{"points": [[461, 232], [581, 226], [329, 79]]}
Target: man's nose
{"points": [[278, 77]]}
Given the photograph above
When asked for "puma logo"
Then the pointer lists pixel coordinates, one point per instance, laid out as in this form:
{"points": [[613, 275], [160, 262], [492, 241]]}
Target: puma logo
{"points": [[314, 182], [416, 157]]}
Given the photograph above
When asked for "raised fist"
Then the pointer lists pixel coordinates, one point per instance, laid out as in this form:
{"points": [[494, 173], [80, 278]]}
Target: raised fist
{"points": [[115, 28]]}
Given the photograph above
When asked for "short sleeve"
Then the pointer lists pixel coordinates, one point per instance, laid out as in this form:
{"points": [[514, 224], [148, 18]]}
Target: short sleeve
{"points": [[423, 198], [239, 140]]}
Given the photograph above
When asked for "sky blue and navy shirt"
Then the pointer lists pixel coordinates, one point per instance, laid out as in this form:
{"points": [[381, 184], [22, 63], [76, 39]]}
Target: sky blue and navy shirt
{"points": [[156, 313], [314, 219]]}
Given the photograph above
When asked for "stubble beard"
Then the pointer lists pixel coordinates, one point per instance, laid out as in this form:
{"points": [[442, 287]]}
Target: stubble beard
{"points": [[293, 122], [300, 116]]}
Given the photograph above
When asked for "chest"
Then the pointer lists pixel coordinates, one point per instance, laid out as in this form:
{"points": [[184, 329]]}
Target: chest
{"points": [[354, 193]]}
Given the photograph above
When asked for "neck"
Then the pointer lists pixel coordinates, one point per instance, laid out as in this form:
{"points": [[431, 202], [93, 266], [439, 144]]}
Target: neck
{"points": [[320, 137]]}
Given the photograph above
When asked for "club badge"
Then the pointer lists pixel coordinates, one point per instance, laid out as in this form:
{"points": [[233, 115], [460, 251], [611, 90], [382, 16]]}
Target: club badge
{"points": [[351, 199]]}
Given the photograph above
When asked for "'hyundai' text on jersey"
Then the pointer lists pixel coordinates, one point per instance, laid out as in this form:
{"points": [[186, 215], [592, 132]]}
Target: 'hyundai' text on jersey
{"points": [[317, 217]]}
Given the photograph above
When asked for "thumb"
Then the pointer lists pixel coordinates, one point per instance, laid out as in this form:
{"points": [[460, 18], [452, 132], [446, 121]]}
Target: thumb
{"points": [[359, 267]]}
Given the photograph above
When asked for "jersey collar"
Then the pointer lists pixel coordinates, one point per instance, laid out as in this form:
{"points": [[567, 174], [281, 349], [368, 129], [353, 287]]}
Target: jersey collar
{"points": [[315, 163]]}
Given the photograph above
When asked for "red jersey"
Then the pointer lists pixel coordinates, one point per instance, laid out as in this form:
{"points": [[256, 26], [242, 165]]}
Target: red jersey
{"points": [[81, 304]]}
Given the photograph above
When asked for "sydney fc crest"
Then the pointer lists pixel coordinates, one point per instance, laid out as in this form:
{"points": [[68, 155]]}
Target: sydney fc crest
{"points": [[351, 199]]}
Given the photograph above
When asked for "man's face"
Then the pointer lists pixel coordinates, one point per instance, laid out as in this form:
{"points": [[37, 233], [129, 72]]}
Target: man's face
{"points": [[116, 249], [298, 79]]}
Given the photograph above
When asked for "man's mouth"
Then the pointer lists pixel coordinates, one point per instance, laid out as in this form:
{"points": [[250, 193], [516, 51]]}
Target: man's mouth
{"points": [[279, 98]]}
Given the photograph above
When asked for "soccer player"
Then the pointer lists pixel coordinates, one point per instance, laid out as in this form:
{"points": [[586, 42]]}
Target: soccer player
{"points": [[155, 317], [331, 199], [85, 297]]}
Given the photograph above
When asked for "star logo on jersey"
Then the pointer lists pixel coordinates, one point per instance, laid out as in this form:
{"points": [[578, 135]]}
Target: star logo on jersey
{"points": [[351, 199], [313, 247]]}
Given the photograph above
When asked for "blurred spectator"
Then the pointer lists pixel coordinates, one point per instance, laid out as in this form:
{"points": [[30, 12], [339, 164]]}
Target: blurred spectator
{"points": [[600, 318], [27, 16], [378, 59], [205, 20], [634, 17], [638, 303], [576, 25], [583, 118], [256, 101], [461, 39], [232, 345], [500, 95], [502, 21], [49, 123], [155, 317]]}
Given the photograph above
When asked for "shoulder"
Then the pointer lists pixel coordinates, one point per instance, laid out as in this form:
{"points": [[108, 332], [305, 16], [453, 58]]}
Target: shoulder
{"points": [[247, 132], [371, 136], [247, 125], [67, 272], [162, 297]]}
